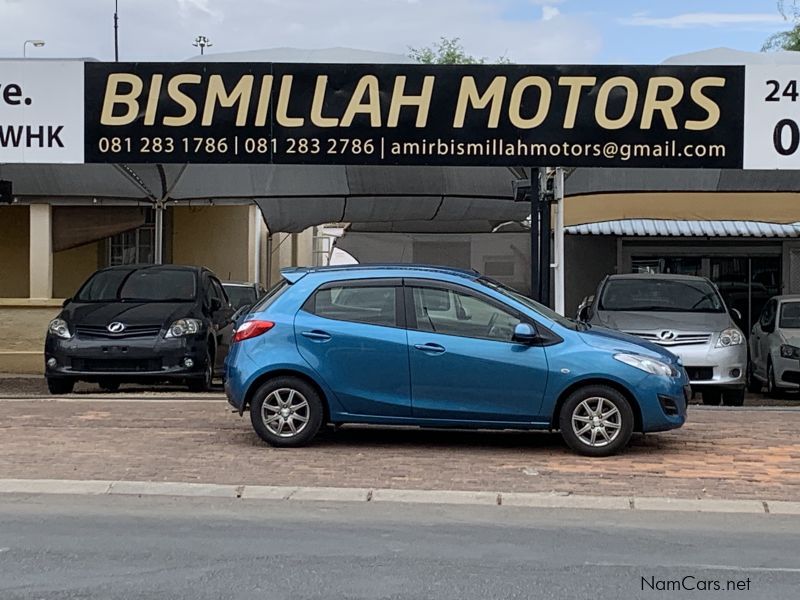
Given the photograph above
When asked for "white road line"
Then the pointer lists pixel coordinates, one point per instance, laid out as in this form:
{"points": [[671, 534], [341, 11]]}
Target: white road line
{"points": [[701, 567]]}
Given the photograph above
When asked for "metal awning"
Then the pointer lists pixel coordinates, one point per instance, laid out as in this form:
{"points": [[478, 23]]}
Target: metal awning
{"points": [[664, 228]]}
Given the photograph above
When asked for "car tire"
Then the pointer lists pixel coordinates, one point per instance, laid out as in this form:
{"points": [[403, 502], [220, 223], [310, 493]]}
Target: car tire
{"points": [[59, 386], [282, 405], [733, 397], [754, 386], [578, 413], [109, 386], [773, 391], [203, 383], [711, 397]]}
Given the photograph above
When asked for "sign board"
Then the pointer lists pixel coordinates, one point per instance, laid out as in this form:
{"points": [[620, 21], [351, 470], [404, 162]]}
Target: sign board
{"points": [[41, 112], [467, 115]]}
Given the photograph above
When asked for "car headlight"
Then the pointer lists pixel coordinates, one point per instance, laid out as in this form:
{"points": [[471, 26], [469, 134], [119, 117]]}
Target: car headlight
{"points": [[730, 337], [59, 328], [788, 351], [183, 327], [648, 365]]}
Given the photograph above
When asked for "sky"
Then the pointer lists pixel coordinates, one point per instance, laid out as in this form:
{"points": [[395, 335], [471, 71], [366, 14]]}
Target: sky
{"points": [[524, 31]]}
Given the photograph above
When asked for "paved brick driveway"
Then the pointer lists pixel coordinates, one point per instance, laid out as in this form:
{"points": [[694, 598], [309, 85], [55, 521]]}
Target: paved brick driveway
{"points": [[719, 454]]}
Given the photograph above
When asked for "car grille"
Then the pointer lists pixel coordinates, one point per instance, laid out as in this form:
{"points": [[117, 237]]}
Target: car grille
{"points": [[681, 339], [700, 373], [121, 365], [131, 331]]}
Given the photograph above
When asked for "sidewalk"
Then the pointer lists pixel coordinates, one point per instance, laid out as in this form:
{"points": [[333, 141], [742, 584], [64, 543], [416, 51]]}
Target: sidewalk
{"points": [[719, 454]]}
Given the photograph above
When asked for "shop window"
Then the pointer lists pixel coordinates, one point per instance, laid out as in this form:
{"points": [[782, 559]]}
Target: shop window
{"points": [[132, 247]]}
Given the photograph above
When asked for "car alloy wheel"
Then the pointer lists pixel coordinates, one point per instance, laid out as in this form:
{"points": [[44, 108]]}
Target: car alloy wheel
{"points": [[285, 412], [596, 422]]}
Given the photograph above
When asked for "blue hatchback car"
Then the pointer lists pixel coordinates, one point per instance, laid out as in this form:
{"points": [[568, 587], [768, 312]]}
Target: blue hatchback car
{"points": [[441, 347]]}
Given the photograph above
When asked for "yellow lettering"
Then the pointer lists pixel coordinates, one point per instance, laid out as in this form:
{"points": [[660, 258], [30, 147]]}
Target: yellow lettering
{"points": [[240, 95], [366, 86], [400, 99], [468, 95], [318, 102], [189, 107], [575, 85], [113, 97], [705, 103], [601, 108], [665, 105], [545, 95]]}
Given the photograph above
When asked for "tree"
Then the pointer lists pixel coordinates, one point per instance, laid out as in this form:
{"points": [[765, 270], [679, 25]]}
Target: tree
{"points": [[786, 40], [447, 51]]}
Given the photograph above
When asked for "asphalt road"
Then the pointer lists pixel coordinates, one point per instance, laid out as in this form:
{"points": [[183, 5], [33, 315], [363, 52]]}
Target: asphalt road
{"points": [[147, 548]]}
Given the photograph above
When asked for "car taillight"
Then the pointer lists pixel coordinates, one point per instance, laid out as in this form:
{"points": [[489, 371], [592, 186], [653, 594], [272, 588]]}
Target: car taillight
{"points": [[251, 329]]}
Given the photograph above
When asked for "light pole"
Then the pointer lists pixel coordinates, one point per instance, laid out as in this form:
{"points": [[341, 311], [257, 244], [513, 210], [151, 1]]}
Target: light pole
{"points": [[37, 43], [116, 31], [202, 42]]}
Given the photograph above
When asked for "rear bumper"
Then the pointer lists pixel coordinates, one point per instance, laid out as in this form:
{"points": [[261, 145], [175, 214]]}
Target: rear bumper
{"points": [[136, 359]]}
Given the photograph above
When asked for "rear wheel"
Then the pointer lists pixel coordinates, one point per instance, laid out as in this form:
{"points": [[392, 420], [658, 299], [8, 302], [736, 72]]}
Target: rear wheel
{"points": [[753, 384], [711, 397], [286, 412], [59, 386], [596, 420]]}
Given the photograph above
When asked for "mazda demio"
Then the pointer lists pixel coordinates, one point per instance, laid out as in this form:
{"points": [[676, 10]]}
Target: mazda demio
{"points": [[441, 347]]}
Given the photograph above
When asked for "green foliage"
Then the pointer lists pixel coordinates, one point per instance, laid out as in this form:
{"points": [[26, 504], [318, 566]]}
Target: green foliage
{"points": [[786, 40], [448, 51]]}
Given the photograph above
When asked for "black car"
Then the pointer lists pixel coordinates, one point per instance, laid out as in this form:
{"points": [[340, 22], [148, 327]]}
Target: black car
{"points": [[243, 294], [137, 323]]}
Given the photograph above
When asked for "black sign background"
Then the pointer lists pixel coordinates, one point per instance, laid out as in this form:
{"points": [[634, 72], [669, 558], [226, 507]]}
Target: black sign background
{"points": [[586, 144]]}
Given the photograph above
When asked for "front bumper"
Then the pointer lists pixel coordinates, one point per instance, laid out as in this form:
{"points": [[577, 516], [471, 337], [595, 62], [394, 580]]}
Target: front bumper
{"points": [[787, 372], [663, 401], [708, 366], [133, 359]]}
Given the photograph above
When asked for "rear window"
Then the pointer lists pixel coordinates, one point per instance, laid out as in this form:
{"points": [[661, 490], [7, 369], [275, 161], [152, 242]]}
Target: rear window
{"points": [[272, 294], [660, 295], [142, 285]]}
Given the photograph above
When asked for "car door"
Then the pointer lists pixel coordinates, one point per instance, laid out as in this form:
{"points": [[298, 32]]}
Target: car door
{"points": [[464, 364], [352, 333], [221, 314]]}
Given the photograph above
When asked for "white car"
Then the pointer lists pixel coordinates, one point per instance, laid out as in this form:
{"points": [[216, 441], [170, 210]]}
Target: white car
{"points": [[775, 347]]}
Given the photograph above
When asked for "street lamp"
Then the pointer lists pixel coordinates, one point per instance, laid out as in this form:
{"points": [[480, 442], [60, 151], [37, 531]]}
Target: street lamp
{"points": [[202, 42], [37, 43]]}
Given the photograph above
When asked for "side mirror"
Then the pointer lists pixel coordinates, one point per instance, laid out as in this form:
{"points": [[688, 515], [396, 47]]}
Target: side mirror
{"points": [[583, 313], [524, 333]]}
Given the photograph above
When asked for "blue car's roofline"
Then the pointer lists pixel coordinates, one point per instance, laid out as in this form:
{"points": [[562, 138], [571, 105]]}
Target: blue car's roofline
{"points": [[293, 274]]}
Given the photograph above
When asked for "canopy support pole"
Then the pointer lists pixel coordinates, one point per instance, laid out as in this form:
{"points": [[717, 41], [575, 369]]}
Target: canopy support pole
{"points": [[158, 253], [558, 241], [545, 253]]}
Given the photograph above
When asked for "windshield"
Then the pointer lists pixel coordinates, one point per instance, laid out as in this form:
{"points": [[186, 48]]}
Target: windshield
{"points": [[240, 295], [143, 285], [660, 295], [790, 315], [532, 304]]}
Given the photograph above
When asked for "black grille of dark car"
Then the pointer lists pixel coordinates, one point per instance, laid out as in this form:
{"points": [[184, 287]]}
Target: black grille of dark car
{"points": [[122, 365], [131, 331], [700, 373]]}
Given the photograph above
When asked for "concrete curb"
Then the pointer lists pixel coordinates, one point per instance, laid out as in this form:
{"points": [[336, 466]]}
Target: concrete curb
{"points": [[380, 495]]}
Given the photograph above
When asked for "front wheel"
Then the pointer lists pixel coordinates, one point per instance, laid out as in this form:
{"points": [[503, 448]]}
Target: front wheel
{"points": [[60, 386], [203, 384], [733, 397], [596, 420], [286, 412]]}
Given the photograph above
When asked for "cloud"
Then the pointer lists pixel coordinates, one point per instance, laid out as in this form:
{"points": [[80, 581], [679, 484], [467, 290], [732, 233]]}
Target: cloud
{"points": [[549, 12], [163, 30], [703, 19]]}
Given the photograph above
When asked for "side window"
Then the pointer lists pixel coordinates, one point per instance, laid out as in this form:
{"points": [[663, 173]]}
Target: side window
{"points": [[453, 313], [219, 292], [376, 305]]}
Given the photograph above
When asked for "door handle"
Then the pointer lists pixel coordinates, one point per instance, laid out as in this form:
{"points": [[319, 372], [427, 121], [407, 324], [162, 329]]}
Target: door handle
{"points": [[316, 335], [430, 348]]}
